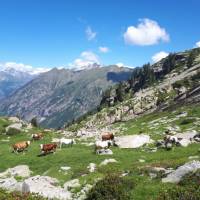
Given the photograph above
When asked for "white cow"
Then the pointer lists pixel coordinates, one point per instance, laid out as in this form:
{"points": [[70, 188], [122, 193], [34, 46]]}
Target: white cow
{"points": [[66, 141], [103, 144]]}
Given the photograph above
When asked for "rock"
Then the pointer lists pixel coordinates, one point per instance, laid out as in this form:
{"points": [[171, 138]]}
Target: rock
{"points": [[180, 172], [106, 161], [188, 135], [82, 195], [45, 187], [132, 141], [104, 152], [91, 167], [71, 184], [184, 142], [65, 168], [20, 170], [193, 157], [17, 126], [9, 184], [14, 119], [141, 160]]}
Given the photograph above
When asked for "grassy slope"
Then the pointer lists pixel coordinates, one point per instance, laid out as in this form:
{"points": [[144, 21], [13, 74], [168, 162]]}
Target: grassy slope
{"points": [[79, 156]]}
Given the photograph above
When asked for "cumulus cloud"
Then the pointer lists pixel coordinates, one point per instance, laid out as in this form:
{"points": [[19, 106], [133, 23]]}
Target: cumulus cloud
{"points": [[90, 33], [197, 44], [86, 60], [22, 68], [104, 49], [159, 56], [147, 32]]}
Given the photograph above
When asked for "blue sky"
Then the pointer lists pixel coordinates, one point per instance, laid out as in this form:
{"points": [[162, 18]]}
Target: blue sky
{"points": [[50, 33]]}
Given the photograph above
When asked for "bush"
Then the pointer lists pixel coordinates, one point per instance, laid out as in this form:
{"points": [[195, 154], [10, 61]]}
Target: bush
{"points": [[4, 195], [112, 187], [187, 189], [13, 131]]}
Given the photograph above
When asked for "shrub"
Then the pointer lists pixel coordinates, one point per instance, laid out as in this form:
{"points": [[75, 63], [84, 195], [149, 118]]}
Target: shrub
{"points": [[187, 189], [4, 195], [111, 187]]}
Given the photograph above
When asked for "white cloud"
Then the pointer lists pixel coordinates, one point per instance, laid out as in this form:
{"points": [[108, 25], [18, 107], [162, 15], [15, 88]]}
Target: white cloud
{"points": [[147, 32], [22, 68], [159, 56], [86, 60], [104, 49], [197, 44], [90, 34]]}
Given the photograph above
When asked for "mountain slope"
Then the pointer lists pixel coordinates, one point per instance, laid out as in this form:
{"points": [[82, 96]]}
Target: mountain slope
{"points": [[11, 80], [62, 95], [173, 81]]}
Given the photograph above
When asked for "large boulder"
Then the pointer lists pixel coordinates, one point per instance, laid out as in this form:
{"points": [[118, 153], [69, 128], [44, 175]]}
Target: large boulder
{"points": [[132, 141], [180, 172], [14, 129], [20, 170], [45, 186], [10, 184]]}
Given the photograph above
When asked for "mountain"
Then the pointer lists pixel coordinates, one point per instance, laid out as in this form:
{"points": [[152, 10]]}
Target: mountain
{"points": [[11, 80], [62, 95], [13, 76], [170, 83]]}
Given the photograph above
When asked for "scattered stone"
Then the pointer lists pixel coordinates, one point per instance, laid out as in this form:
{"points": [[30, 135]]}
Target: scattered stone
{"points": [[82, 195], [106, 161], [9, 184], [71, 184], [45, 187], [132, 141], [104, 152], [91, 167], [16, 126], [180, 172], [20, 170], [14, 119], [184, 142], [193, 157]]}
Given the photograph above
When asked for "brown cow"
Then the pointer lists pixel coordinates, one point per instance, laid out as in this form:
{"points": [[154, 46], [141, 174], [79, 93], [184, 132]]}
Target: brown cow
{"points": [[21, 146], [107, 136], [48, 148], [37, 136]]}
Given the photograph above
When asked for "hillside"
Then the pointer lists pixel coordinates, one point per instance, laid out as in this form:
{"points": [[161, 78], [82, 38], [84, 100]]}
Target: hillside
{"points": [[173, 81], [142, 169], [60, 96], [11, 80]]}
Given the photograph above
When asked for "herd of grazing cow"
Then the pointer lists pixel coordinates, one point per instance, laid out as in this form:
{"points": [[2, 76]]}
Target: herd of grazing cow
{"points": [[45, 148], [105, 142]]}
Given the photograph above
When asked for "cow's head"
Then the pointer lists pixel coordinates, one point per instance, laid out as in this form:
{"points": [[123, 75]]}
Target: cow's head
{"points": [[41, 146], [28, 143]]}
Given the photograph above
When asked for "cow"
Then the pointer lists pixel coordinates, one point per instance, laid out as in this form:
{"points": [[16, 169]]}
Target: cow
{"points": [[100, 145], [37, 136], [66, 142], [48, 148], [21, 146], [107, 136], [171, 139]]}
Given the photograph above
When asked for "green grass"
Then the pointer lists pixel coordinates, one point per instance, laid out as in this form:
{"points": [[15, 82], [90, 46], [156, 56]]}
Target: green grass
{"points": [[79, 156]]}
